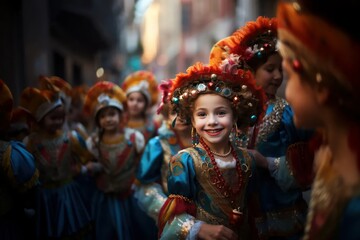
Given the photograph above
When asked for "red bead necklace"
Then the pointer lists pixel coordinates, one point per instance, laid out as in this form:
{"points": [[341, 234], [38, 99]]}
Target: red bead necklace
{"points": [[224, 188]]}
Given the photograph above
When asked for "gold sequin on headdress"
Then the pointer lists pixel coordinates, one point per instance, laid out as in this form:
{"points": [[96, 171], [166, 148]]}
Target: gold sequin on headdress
{"points": [[103, 94]]}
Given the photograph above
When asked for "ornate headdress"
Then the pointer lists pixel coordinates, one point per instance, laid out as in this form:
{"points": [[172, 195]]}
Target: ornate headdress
{"points": [[323, 46], [63, 86], [6, 105], [246, 46], [40, 102], [239, 88], [144, 82], [103, 94]]}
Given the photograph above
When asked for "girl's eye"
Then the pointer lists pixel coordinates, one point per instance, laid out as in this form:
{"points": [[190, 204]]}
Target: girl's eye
{"points": [[201, 114], [270, 69], [221, 113]]}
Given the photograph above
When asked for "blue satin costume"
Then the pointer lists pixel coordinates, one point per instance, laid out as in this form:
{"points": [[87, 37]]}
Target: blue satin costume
{"points": [[61, 211], [153, 171], [113, 207], [18, 176], [281, 194], [194, 198]]}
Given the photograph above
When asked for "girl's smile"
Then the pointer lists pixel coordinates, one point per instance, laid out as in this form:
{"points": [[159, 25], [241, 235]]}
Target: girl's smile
{"points": [[213, 120]]}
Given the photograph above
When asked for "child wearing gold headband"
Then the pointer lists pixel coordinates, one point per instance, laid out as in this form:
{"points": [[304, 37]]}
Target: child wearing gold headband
{"points": [[278, 145], [321, 55], [141, 95], [117, 150], [60, 154], [210, 183]]}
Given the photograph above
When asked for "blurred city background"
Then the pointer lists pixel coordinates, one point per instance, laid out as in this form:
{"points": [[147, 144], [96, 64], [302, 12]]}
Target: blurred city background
{"points": [[84, 41]]}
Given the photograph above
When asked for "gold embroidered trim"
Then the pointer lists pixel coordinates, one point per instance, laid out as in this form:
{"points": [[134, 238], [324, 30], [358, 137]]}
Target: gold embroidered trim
{"points": [[181, 197], [203, 214], [271, 122], [165, 164]]}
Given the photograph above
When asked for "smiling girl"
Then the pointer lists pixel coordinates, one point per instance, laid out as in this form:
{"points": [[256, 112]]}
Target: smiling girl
{"points": [[278, 146], [209, 183]]}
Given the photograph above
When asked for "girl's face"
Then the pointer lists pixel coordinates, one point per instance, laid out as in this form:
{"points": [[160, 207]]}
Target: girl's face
{"points": [[136, 104], [109, 119], [213, 119], [54, 120], [302, 98], [181, 125], [269, 75]]}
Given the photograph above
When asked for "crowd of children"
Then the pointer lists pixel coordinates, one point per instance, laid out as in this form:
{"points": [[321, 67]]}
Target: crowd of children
{"points": [[226, 158]]}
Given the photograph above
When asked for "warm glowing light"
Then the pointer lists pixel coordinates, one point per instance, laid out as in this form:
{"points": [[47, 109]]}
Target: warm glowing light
{"points": [[150, 33], [100, 72]]}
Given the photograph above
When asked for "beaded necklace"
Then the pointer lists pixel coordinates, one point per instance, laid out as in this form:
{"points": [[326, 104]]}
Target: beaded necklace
{"points": [[223, 187], [222, 155]]}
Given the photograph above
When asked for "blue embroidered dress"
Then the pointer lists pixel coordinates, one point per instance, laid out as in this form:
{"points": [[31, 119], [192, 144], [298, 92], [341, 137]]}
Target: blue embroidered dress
{"points": [[195, 196], [282, 185], [18, 175], [153, 170], [113, 206], [61, 211]]}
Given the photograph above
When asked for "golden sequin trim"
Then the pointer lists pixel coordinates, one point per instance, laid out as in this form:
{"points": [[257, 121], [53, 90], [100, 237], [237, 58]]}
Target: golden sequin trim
{"points": [[271, 122], [181, 197]]}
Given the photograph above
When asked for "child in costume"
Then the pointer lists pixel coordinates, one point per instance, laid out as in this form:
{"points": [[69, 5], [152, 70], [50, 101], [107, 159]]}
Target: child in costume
{"points": [[209, 184], [60, 156], [65, 90], [173, 136], [141, 95], [321, 55], [117, 150], [18, 174], [279, 146]]}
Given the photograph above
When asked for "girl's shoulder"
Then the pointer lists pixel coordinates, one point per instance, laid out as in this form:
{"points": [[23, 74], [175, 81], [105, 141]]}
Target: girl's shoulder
{"points": [[18, 164], [186, 154]]}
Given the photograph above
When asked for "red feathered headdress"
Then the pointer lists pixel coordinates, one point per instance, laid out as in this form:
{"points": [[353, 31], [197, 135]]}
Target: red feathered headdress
{"points": [[103, 94], [239, 88], [249, 43], [144, 82]]}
